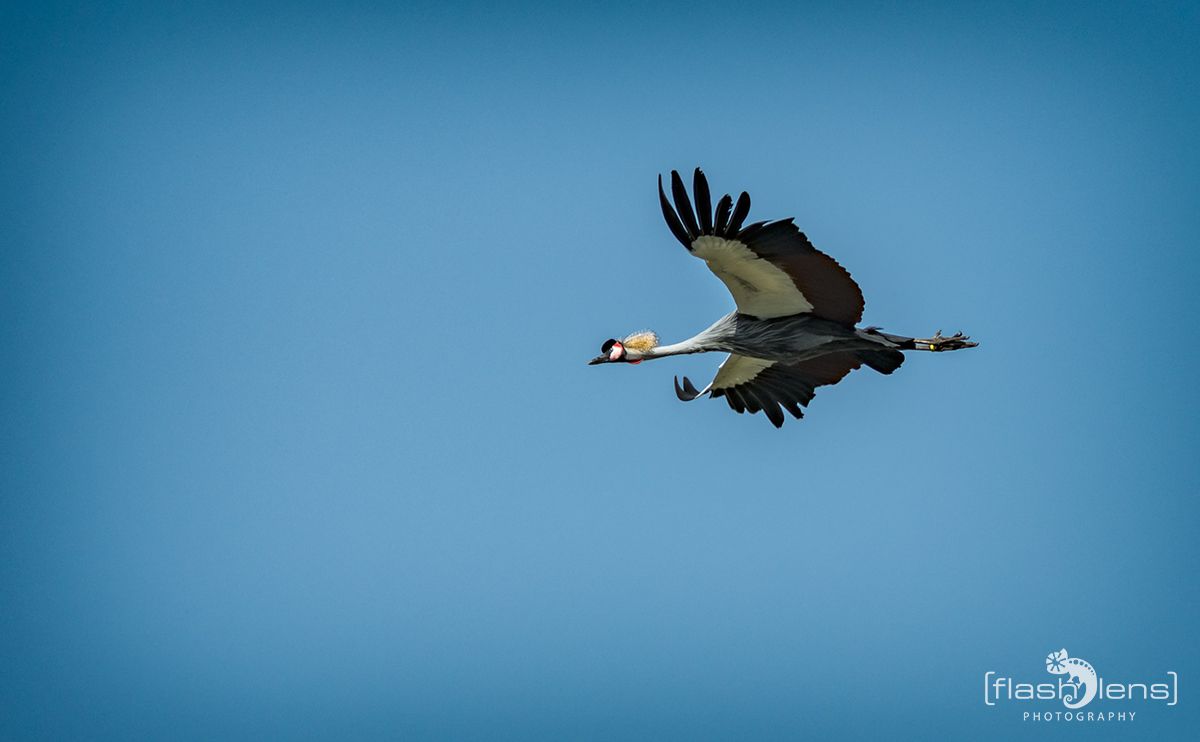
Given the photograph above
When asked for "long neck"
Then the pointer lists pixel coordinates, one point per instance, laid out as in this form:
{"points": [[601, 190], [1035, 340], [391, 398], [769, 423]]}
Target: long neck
{"points": [[676, 349], [714, 338]]}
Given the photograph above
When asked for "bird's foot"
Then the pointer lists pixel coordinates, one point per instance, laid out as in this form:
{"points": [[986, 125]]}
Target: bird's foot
{"points": [[940, 342]]}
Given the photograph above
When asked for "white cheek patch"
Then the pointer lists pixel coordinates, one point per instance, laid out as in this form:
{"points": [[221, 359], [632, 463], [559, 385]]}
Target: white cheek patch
{"points": [[615, 353], [758, 286]]}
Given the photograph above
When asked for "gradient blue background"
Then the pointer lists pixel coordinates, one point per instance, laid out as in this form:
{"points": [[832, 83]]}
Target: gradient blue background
{"points": [[298, 441]]}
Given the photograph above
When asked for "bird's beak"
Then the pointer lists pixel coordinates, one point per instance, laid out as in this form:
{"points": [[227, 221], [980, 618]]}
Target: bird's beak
{"points": [[602, 358]]}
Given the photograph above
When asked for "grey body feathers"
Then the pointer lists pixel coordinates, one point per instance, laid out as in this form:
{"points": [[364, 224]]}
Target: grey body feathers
{"points": [[787, 339]]}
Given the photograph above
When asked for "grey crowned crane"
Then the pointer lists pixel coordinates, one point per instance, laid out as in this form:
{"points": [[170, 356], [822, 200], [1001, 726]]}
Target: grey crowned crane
{"points": [[797, 310]]}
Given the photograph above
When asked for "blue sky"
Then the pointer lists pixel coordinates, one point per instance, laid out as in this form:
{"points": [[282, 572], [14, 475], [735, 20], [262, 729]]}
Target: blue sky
{"points": [[299, 440]]}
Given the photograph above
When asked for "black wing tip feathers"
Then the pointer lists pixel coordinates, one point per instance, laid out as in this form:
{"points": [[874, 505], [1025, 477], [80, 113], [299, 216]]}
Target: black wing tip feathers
{"points": [[740, 211], [789, 388], [688, 391], [775, 415], [703, 201], [683, 205], [688, 222], [724, 206], [672, 218]]}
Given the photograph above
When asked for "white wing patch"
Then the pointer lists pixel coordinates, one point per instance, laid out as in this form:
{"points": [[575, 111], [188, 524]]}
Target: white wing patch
{"points": [[738, 370], [759, 288]]}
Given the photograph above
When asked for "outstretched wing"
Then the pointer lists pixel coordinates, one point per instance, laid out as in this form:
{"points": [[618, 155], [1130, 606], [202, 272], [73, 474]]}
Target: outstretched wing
{"points": [[754, 384], [771, 268]]}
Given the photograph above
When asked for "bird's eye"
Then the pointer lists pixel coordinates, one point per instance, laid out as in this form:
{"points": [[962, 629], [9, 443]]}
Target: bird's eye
{"points": [[608, 344]]}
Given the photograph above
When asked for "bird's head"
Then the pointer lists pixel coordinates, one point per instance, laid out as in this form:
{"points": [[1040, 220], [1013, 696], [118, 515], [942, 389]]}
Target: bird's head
{"points": [[632, 349]]}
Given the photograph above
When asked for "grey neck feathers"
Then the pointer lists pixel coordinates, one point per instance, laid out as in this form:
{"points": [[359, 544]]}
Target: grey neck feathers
{"points": [[675, 349], [714, 338]]}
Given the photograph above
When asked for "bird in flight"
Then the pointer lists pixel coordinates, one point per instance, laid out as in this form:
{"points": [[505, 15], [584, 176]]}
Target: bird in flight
{"points": [[797, 310]]}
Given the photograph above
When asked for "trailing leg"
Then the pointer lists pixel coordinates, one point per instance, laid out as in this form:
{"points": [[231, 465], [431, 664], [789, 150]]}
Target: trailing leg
{"points": [[937, 343]]}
